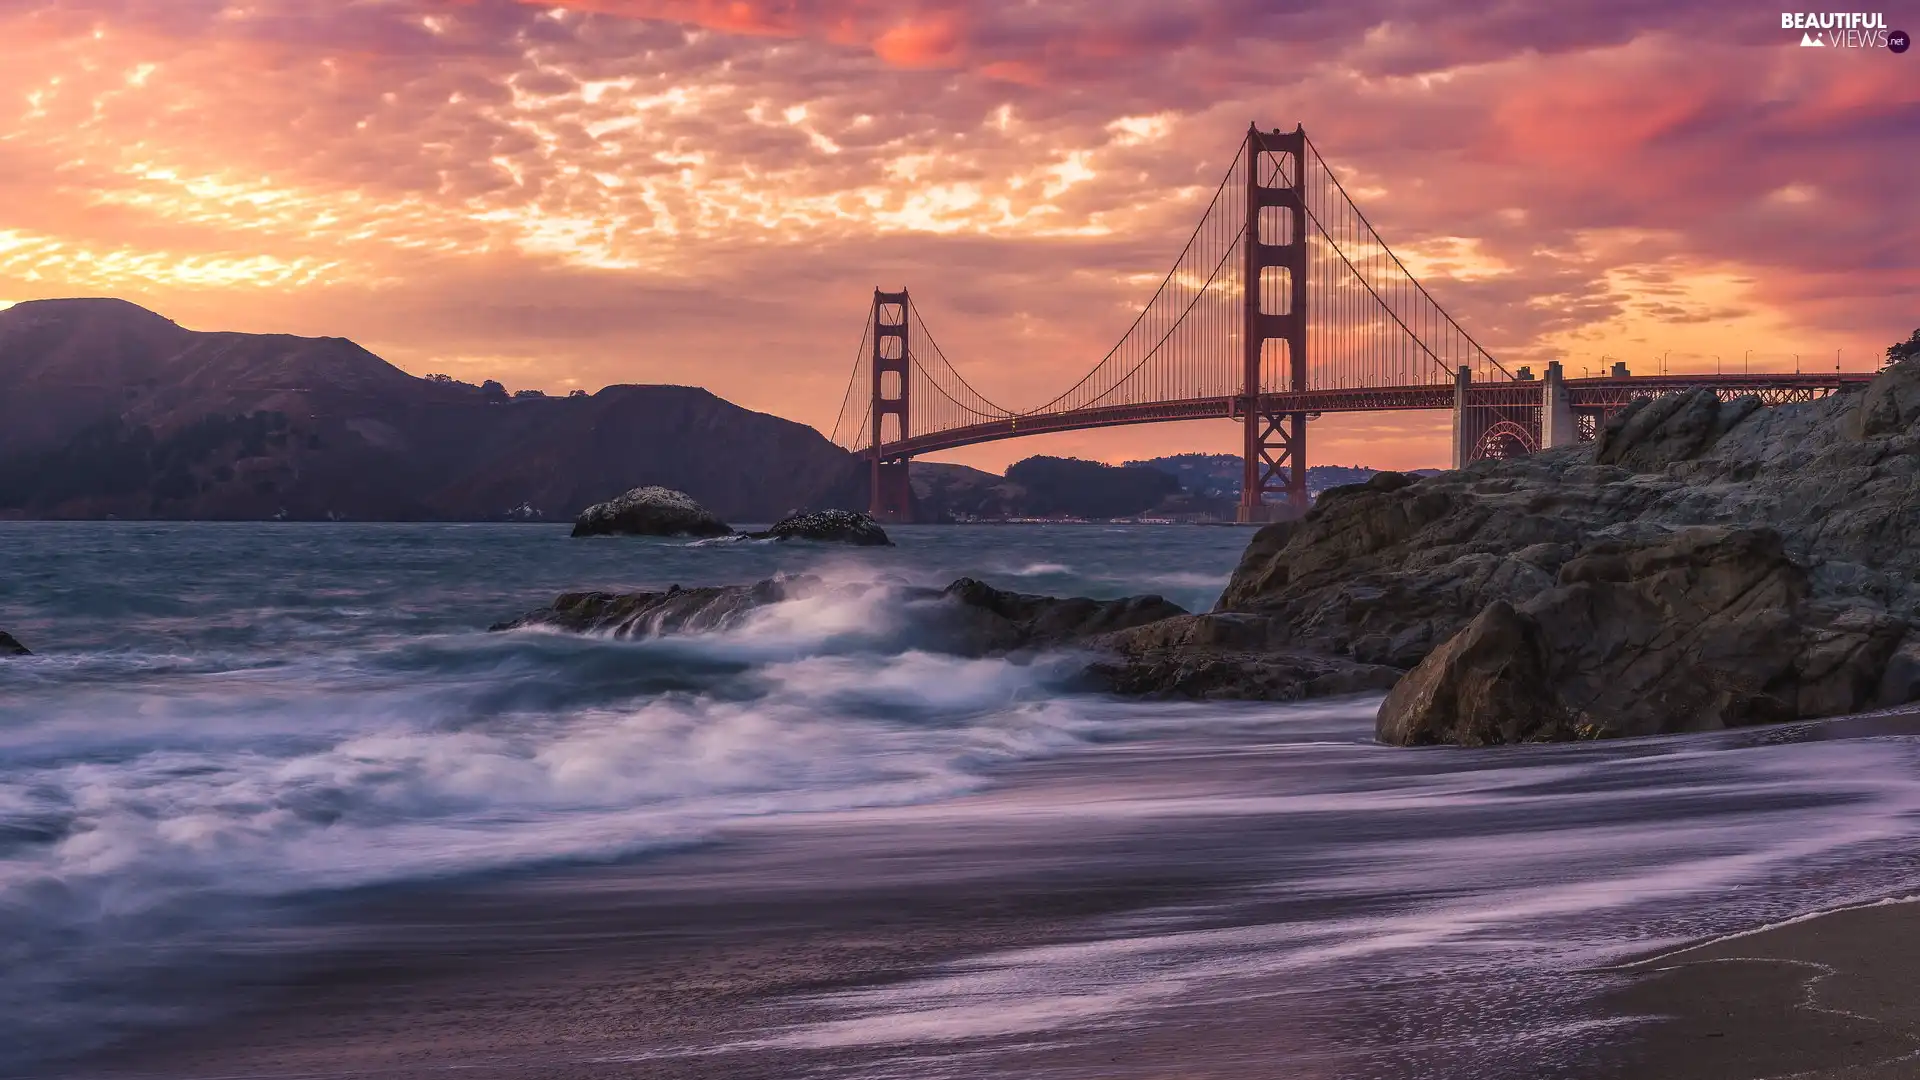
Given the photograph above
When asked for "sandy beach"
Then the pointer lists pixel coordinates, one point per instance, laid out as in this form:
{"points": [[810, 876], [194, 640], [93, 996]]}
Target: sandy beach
{"points": [[1826, 998], [968, 938]]}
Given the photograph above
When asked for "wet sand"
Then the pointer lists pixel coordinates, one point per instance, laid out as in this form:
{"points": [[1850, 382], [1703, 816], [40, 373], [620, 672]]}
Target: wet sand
{"points": [[741, 959], [619, 972], [1835, 997]]}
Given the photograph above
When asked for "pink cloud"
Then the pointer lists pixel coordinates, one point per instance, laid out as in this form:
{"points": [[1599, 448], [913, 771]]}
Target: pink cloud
{"points": [[678, 190]]}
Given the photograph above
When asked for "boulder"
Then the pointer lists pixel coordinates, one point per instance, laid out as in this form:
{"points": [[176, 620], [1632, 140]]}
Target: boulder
{"points": [[1653, 433], [1223, 656], [829, 526], [1487, 684], [967, 617], [671, 611], [984, 619], [1706, 628], [1138, 645], [650, 511], [10, 647], [1890, 405]]}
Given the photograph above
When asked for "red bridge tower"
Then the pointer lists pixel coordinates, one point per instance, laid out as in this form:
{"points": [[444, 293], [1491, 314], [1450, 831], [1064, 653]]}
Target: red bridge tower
{"points": [[1274, 447], [890, 497]]}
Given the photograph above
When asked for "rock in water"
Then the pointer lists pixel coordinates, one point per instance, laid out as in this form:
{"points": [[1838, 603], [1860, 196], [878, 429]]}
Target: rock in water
{"points": [[674, 611], [988, 620], [650, 511], [967, 617], [1141, 645], [11, 647], [829, 526]]}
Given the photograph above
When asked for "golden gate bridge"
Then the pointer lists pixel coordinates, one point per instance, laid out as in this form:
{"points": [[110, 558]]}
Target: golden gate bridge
{"points": [[1284, 305]]}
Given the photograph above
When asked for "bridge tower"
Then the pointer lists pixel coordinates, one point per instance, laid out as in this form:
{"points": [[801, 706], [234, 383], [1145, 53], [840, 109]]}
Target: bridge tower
{"points": [[890, 497], [1274, 448]]}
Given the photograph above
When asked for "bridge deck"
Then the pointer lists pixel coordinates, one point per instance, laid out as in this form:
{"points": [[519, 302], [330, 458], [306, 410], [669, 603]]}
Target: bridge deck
{"points": [[1590, 394]]}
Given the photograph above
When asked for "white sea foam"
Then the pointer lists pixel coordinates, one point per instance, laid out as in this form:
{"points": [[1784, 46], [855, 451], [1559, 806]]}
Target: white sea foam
{"points": [[173, 802], [1560, 874]]}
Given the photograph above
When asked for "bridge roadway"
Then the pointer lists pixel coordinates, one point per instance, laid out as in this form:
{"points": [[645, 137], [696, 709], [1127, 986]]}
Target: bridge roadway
{"points": [[1600, 395]]}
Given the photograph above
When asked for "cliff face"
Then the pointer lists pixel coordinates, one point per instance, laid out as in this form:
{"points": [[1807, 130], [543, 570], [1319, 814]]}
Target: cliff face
{"points": [[109, 409], [1703, 565]]}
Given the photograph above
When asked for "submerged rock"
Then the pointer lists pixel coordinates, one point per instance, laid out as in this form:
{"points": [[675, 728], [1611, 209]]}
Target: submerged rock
{"points": [[11, 647], [1135, 645], [650, 511], [829, 526], [1704, 564], [996, 620], [967, 617], [672, 611]]}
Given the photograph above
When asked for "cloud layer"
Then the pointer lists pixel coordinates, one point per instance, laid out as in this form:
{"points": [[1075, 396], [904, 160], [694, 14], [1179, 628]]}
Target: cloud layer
{"points": [[578, 192]]}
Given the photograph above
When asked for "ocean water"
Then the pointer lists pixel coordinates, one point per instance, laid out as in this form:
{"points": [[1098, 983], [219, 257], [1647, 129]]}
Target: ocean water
{"points": [[227, 723]]}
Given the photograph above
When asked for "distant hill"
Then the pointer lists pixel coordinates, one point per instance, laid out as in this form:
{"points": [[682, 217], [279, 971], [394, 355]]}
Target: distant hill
{"points": [[107, 409], [1183, 486], [1042, 487], [1219, 476]]}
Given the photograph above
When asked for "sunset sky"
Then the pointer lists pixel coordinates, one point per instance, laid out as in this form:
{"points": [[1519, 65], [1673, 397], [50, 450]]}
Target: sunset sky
{"points": [[580, 192]]}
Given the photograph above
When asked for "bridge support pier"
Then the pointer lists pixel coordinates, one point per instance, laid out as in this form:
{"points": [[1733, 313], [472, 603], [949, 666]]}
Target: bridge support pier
{"points": [[1464, 437], [1275, 450], [1557, 427], [892, 498]]}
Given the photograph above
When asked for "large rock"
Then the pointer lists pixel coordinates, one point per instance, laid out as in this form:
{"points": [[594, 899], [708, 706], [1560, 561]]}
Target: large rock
{"points": [[829, 526], [670, 611], [986, 619], [1592, 549], [1487, 684], [11, 647], [650, 511], [1224, 656], [1135, 645], [1652, 433], [967, 617], [1708, 628]]}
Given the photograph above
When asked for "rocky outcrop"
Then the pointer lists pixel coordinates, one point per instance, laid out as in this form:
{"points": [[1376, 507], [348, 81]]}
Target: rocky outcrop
{"points": [[1227, 657], [1486, 684], [967, 617], [1708, 628], [672, 611], [1135, 645], [650, 511], [983, 619], [10, 647], [1704, 564], [1652, 433], [830, 527]]}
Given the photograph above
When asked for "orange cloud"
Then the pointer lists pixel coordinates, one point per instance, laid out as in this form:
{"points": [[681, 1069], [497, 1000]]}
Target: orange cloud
{"points": [[932, 42], [490, 189]]}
